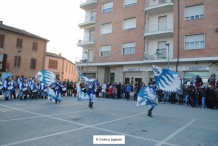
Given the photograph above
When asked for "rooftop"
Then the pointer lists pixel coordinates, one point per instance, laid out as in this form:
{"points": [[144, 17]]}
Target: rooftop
{"points": [[19, 31]]}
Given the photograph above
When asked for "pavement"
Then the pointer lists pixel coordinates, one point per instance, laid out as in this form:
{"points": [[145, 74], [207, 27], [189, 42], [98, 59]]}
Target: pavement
{"points": [[41, 123]]}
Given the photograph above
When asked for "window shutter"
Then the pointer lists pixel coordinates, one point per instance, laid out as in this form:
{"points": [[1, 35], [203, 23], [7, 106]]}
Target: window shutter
{"points": [[2, 38], [130, 23], [194, 10], [4, 62]]}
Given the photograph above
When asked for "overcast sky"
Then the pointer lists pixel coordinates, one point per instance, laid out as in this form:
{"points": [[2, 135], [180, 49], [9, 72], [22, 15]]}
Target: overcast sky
{"points": [[55, 20]]}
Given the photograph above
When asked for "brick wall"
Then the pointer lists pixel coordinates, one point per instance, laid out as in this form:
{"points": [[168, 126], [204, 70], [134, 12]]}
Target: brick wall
{"points": [[118, 36], [206, 25], [26, 53]]}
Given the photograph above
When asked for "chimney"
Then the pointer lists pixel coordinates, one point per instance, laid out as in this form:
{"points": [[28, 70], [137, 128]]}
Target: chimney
{"points": [[1, 22], [59, 54]]}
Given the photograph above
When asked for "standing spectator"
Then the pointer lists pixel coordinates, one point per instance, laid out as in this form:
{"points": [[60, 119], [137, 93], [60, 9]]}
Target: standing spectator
{"points": [[191, 86], [103, 89], [136, 90], [75, 89], [110, 91], [166, 97], [118, 89], [173, 97], [198, 81], [127, 91], [211, 97], [203, 96], [216, 94], [186, 93], [69, 88], [114, 92], [122, 91], [196, 96], [212, 80], [192, 97]]}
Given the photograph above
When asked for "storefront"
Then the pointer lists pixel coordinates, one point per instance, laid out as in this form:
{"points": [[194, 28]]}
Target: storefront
{"points": [[132, 75], [190, 73], [90, 72]]}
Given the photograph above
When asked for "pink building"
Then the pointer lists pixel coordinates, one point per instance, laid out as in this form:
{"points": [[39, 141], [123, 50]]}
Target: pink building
{"points": [[63, 68]]}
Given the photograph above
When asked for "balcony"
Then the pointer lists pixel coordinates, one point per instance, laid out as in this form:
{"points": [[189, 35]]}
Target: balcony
{"points": [[159, 30], [158, 6], [88, 4], [88, 21], [156, 57], [86, 41]]}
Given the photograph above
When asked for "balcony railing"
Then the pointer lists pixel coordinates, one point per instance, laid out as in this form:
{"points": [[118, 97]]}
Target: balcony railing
{"points": [[158, 27], [86, 39], [87, 19], [150, 3], [87, 1]]}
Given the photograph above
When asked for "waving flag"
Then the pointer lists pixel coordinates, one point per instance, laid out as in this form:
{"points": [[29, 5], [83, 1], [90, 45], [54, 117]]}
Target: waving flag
{"points": [[146, 97], [167, 80], [47, 77], [87, 82]]}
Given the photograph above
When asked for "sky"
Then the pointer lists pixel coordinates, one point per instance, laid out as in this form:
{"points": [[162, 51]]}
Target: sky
{"points": [[55, 20]]}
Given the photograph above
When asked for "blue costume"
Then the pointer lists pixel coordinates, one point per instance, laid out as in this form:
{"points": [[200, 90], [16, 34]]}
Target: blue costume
{"points": [[92, 87], [57, 87], [42, 90], [152, 105], [34, 90], [23, 89], [8, 86]]}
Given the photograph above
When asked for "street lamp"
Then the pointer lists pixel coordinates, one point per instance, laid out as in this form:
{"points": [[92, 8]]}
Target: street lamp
{"points": [[87, 63], [167, 44], [16, 63]]}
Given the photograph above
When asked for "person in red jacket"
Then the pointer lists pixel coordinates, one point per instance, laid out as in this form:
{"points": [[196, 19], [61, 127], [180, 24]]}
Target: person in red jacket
{"points": [[198, 81], [212, 80], [110, 89]]}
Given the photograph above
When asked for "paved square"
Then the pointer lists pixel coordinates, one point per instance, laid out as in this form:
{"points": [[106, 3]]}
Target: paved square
{"points": [[38, 122]]}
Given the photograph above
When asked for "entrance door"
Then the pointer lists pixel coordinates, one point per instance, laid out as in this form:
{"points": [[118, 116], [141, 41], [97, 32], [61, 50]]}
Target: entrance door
{"points": [[112, 76], [162, 23], [127, 80]]}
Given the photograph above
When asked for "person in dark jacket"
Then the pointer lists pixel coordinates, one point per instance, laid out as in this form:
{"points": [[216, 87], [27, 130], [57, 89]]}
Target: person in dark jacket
{"points": [[211, 97], [118, 90], [203, 96], [192, 97]]}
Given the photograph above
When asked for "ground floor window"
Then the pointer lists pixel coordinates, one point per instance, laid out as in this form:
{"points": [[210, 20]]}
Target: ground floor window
{"points": [[191, 75], [112, 77]]}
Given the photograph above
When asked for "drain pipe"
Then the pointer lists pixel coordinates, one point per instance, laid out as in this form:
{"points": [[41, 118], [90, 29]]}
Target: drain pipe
{"points": [[177, 63]]}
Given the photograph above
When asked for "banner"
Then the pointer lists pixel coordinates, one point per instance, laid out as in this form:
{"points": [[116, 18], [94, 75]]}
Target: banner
{"points": [[167, 80]]}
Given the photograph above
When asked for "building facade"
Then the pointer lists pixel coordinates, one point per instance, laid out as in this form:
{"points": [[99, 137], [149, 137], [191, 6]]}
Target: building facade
{"points": [[63, 68], [122, 39], [21, 52]]}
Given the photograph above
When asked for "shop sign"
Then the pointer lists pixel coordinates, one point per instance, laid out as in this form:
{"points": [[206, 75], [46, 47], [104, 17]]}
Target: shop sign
{"points": [[196, 68], [132, 69], [93, 69]]}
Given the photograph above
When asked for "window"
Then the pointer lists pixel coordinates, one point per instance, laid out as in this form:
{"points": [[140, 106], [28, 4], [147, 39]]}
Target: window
{"points": [[105, 51], [194, 42], [17, 60], [194, 12], [33, 63], [2, 39], [106, 28], [35, 46], [53, 64], [161, 52], [129, 48], [3, 62], [66, 67], [19, 43], [129, 3], [129, 24], [107, 7]]}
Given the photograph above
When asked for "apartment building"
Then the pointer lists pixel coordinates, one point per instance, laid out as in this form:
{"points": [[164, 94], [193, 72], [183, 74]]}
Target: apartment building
{"points": [[61, 67], [123, 38], [21, 52]]}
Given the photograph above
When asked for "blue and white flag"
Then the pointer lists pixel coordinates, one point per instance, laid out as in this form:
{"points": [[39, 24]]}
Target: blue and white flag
{"points": [[146, 97], [167, 80], [87, 82], [47, 77]]}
